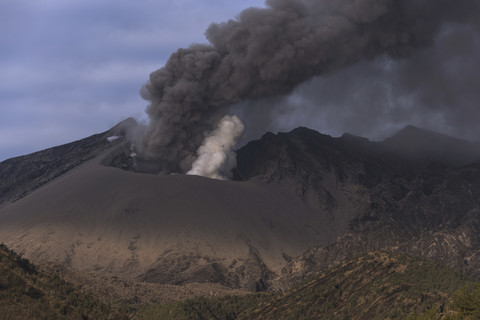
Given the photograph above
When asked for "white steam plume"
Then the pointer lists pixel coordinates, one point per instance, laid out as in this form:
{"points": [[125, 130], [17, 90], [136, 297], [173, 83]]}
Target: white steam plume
{"points": [[215, 156]]}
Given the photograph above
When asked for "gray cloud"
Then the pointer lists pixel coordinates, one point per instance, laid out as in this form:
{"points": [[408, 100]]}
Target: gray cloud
{"points": [[265, 54], [69, 69], [436, 87]]}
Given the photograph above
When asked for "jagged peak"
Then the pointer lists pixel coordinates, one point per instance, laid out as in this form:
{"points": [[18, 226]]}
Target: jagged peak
{"points": [[353, 138], [303, 130], [268, 135]]}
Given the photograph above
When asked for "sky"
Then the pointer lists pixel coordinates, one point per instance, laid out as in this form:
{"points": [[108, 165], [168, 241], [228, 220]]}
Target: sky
{"points": [[70, 69]]}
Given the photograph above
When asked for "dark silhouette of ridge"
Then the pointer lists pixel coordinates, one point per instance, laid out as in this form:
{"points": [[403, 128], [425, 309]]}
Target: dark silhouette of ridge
{"points": [[421, 144]]}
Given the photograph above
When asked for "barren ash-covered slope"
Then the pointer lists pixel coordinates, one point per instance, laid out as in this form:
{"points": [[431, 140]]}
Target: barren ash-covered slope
{"points": [[162, 228], [301, 202], [165, 229], [22, 175]]}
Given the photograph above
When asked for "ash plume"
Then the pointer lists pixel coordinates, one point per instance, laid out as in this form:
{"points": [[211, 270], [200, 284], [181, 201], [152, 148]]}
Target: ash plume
{"points": [[268, 52], [216, 157]]}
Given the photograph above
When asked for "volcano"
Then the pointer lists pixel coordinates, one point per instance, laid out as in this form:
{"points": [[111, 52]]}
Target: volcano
{"points": [[299, 203]]}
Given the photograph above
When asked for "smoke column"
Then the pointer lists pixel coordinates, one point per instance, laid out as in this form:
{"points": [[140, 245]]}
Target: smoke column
{"points": [[267, 52], [216, 158]]}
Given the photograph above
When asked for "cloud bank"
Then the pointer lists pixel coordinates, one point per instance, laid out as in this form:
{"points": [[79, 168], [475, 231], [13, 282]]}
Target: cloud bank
{"points": [[251, 62]]}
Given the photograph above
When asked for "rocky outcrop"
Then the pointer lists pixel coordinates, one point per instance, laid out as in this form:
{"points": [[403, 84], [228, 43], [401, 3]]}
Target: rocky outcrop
{"points": [[417, 192]]}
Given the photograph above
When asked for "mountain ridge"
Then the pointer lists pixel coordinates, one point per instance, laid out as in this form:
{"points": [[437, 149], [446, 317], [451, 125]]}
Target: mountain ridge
{"points": [[23, 174], [428, 145], [302, 202]]}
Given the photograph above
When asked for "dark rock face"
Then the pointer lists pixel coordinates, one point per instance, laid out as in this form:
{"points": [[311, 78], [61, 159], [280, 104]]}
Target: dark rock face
{"points": [[22, 175], [417, 192]]}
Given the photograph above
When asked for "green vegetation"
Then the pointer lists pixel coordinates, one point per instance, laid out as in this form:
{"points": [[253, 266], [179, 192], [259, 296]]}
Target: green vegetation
{"points": [[374, 286], [229, 307], [466, 302], [379, 285], [465, 305], [28, 293]]}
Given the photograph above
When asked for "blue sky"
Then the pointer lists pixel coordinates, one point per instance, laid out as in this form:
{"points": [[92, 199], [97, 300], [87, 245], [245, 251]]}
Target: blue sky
{"points": [[69, 69]]}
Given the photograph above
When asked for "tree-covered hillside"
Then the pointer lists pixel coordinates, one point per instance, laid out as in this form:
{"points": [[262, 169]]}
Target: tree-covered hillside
{"points": [[377, 285], [26, 292]]}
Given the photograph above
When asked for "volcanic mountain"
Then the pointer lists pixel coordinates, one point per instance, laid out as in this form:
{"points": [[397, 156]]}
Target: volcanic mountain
{"points": [[301, 202]]}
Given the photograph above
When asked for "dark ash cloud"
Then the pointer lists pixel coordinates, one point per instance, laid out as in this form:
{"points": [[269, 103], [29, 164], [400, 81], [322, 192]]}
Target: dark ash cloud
{"points": [[436, 87], [266, 53], [69, 69]]}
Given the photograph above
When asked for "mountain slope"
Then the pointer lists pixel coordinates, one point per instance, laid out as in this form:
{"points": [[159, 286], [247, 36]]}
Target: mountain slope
{"points": [[29, 293], [22, 175], [305, 202], [429, 146], [418, 200], [165, 229], [438, 219], [377, 285]]}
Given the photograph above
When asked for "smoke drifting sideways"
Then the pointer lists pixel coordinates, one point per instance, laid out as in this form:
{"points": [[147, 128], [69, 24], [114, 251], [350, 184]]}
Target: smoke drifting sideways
{"points": [[266, 53]]}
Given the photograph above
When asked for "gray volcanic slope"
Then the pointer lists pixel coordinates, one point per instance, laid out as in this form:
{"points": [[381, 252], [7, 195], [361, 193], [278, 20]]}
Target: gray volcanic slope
{"points": [[305, 201], [166, 229], [22, 175]]}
